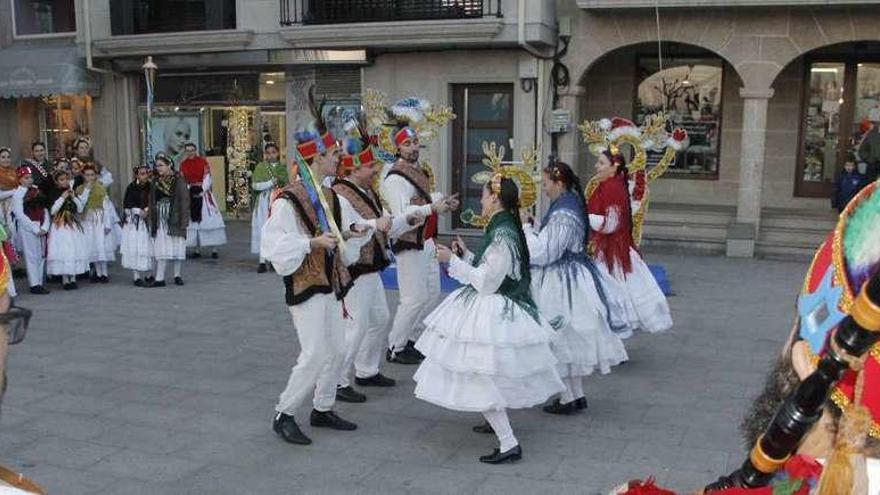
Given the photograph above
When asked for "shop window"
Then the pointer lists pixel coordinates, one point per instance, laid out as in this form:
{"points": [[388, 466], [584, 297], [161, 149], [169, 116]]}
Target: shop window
{"points": [[162, 16], [485, 113], [689, 90], [63, 119], [42, 17], [841, 111]]}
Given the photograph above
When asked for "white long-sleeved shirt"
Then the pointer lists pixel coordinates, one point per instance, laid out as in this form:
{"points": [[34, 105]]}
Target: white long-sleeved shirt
{"points": [[496, 264], [606, 223], [285, 244], [24, 222], [78, 200], [398, 193], [398, 223], [563, 232]]}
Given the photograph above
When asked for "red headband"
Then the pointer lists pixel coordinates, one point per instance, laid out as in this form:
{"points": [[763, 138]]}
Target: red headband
{"points": [[363, 159], [404, 134], [309, 149]]}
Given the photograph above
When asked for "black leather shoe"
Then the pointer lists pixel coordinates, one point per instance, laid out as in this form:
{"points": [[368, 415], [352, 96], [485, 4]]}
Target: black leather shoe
{"points": [[348, 394], [498, 457], [402, 357], [557, 407], [580, 404], [39, 289], [178, 281], [330, 420], [74, 286], [285, 426], [158, 284], [104, 279], [262, 268], [411, 346], [149, 281], [215, 255], [196, 254], [67, 286], [484, 428], [94, 278], [377, 380], [139, 283]]}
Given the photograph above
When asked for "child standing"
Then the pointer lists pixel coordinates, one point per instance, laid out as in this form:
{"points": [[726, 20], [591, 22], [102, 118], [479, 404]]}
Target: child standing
{"points": [[68, 253], [98, 220], [847, 185], [32, 224], [137, 245]]}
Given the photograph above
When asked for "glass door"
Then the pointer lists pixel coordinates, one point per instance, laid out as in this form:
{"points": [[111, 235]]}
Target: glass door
{"points": [[866, 119]]}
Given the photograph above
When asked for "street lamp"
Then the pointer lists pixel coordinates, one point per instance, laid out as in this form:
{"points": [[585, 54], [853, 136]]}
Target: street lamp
{"points": [[150, 69]]}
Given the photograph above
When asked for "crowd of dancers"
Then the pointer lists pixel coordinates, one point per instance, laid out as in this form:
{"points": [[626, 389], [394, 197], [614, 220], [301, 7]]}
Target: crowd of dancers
{"points": [[536, 312], [59, 220]]}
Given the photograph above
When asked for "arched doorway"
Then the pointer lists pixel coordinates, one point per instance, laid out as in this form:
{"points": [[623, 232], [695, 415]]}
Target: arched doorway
{"points": [[839, 114]]}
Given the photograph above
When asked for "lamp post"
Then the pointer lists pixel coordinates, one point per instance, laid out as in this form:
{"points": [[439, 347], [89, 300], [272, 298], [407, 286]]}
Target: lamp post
{"points": [[150, 69]]}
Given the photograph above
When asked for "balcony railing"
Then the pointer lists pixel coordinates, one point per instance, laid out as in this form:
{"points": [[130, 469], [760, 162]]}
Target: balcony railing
{"points": [[349, 11]]}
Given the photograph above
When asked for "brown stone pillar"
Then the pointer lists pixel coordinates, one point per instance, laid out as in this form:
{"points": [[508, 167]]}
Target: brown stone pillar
{"points": [[742, 234]]}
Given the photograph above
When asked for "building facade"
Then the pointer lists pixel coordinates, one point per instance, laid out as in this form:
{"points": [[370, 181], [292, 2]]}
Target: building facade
{"points": [[776, 95]]}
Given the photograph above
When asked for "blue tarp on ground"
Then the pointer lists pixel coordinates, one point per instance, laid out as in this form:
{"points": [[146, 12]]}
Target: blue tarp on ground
{"points": [[448, 284]]}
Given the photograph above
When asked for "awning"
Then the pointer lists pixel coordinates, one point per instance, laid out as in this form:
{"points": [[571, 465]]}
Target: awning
{"points": [[40, 71]]}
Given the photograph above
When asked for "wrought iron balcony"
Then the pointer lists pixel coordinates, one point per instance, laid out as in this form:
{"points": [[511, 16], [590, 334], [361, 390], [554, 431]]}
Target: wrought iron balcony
{"points": [[350, 11]]}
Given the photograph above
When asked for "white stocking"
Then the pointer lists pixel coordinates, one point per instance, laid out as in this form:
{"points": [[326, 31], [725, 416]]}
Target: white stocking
{"points": [[160, 270], [567, 395], [101, 268], [501, 424], [136, 274], [178, 265], [577, 387]]}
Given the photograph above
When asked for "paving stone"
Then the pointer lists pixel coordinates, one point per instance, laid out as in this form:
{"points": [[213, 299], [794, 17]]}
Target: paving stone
{"points": [[146, 467], [63, 452]]}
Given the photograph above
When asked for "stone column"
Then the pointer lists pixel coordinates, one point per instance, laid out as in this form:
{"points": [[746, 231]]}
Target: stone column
{"points": [[296, 104], [742, 234], [571, 146]]}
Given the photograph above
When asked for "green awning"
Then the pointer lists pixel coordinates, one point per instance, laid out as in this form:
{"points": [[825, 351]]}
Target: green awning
{"points": [[39, 71]]}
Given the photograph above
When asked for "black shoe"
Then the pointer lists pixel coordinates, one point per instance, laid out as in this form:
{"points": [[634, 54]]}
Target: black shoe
{"points": [[580, 404], [94, 278], [557, 407], [411, 346], [498, 457], [348, 394], [377, 380], [262, 268], [149, 280], [215, 255], [196, 254], [402, 357], [67, 286], [285, 426], [139, 283], [104, 279], [39, 289], [330, 420], [178, 281], [158, 284], [484, 428], [74, 285]]}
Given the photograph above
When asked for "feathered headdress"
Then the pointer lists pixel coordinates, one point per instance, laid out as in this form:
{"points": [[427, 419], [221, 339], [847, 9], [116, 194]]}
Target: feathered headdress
{"points": [[358, 145], [408, 117], [314, 138]]}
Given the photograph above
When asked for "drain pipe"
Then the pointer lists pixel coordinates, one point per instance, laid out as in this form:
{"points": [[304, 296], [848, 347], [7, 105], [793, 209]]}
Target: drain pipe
{"points": [[87, 28]]}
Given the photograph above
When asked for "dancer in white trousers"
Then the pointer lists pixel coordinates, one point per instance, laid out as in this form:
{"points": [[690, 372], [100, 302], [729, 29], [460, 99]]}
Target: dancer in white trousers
{"points": [[407, 191], [367, 330], [32, 225], [486, 347], [298, 241]]}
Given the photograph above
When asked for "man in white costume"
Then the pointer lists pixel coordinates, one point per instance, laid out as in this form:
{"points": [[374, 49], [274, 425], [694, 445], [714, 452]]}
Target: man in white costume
{"points": [[298, 240], [367, 330], [407, 191], [32, 226]]}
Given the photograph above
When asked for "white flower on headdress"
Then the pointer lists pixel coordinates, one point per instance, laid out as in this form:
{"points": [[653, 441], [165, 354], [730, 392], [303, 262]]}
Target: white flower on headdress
{"points": [[605, 124]]}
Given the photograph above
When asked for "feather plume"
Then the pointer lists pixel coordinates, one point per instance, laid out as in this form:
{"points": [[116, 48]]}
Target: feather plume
{"points": [[861, 239], [315, 108]]}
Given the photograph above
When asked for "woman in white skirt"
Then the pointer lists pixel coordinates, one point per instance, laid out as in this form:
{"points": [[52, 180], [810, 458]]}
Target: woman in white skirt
{"points": [[169, 218], [137, 243], [268, 175], [568, 290], [67, 251], [98, 220], [632, 290], [486, 347]]}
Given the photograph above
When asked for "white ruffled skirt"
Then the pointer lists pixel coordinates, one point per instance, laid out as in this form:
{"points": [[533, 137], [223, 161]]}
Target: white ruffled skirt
{"points": [[101, 246], [482, 352], [568, 299], [635, 298], [67, 251], [137, 246], [211, 231], [167, 247], [258, 218]]}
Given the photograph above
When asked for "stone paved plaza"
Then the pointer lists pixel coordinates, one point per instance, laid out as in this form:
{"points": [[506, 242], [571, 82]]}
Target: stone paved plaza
{"points": [[121, 390]]}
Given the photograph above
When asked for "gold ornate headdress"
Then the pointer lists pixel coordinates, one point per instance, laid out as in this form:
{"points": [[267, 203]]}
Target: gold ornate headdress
{"points": [[522, 172], [605, 134]]}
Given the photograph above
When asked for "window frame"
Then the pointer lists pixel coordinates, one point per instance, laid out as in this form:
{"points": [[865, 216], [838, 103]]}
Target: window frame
{"points": [[460, 128], [670, 172], [62, 34]]}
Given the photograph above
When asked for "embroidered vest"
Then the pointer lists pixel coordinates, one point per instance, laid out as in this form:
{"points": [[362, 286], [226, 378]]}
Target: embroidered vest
{"points": [[373, 257], [322, 271], [415, 238]]}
